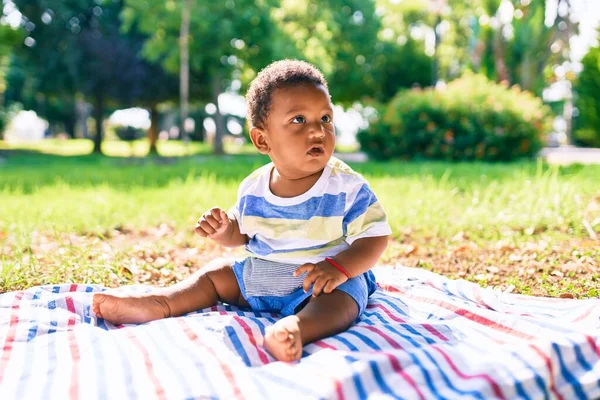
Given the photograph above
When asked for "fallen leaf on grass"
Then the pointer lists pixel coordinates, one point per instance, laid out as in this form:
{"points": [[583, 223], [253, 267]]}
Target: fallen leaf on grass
{"points": [[586, 244], [459, 237], [460, 250], [557, 273], [410, 249], [571, 266]]}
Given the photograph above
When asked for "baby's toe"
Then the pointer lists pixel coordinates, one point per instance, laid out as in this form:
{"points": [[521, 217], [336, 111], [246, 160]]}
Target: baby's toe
{"points": [[282, 335]]}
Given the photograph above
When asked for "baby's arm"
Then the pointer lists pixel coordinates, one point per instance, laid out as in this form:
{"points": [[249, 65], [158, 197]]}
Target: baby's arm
{"points": [[361, 256], [220, 227]]}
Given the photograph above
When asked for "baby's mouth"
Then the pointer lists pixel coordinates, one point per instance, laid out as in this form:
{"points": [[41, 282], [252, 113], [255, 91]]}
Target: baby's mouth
{"points": [[316, 151]]}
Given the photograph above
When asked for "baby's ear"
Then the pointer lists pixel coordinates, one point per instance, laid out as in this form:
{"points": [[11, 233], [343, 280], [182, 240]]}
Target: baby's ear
{"points": [[259, 139]]}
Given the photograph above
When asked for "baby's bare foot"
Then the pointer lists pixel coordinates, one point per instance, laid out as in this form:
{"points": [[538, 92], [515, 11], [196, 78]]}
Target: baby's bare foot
{"points": [[283, 340], [132, 309]]}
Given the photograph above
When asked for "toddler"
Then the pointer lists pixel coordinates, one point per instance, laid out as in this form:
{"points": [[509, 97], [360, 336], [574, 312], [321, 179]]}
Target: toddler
{"points": [[311, 226]]}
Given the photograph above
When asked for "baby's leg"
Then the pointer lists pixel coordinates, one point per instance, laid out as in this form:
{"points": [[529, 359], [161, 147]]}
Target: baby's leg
{"points": [[322, 317], [203, 289]]}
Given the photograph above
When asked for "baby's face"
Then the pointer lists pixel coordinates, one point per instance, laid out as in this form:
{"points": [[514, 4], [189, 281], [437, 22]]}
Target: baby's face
{"points": [[299, 130]]}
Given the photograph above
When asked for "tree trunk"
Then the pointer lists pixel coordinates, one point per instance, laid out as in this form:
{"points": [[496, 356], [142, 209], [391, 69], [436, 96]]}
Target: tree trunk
{"points": [[184, 71], [98, 116], [499, 56], [153, 130], [219, 120], [436, 58], [568, 32], [69, 124], [82, 116]]}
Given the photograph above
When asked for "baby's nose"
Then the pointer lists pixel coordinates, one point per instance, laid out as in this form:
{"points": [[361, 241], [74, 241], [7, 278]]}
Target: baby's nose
{"points": [[316, 129]]}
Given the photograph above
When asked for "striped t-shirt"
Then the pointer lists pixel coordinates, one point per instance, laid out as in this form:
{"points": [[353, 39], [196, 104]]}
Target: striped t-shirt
{"points": [[337, 210]]}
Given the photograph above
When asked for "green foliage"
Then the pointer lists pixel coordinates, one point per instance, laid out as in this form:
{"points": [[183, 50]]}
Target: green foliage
{"points": [[3, 121], [238, 37], [9, 38], [399, 66], [588, 100], [471, 119]]}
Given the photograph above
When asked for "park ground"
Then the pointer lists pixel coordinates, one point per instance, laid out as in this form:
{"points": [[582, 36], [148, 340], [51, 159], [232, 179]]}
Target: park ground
{"points": [[524, 227]]}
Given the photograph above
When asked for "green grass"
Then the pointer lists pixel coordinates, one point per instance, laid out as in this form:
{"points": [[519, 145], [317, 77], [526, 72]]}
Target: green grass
{"points": [[56, 195]]}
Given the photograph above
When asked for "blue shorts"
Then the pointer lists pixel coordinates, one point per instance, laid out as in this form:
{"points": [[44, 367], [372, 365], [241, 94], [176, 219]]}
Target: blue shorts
{"points": [[359, 288]]}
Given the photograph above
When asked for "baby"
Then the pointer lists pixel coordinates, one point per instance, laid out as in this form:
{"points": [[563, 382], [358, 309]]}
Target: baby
{"points": [[312, 227]]}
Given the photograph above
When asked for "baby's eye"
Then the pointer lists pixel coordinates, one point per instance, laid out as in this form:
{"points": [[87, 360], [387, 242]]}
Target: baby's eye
{"points": [[326, 119], [299, 120]]}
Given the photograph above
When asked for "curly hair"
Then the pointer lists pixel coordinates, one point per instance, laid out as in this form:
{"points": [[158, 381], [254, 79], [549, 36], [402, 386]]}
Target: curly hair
{"points": [[277, 75]]}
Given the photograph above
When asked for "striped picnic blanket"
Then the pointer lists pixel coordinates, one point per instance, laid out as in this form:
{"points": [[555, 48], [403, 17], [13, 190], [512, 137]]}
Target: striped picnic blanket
{"points": [[422, 337]]}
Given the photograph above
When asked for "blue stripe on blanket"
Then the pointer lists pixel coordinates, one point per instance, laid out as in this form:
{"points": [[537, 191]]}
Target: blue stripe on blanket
{"points": [[422, 336]]}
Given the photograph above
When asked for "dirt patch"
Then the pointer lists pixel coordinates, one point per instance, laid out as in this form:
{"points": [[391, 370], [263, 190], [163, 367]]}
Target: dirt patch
{"points": [[163, 255]]}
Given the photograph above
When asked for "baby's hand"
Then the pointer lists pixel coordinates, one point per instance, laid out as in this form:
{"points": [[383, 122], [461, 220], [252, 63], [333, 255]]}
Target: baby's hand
{"points": [[322, 275], [214, 224]]}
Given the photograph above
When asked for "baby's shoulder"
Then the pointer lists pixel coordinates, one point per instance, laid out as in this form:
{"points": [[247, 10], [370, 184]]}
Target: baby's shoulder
{"points": [[344, 174], [251, 182]]}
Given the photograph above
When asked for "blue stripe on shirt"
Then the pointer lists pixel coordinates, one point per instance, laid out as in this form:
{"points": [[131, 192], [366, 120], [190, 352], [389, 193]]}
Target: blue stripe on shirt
{"points": [[363, 200], [328, 205], [259, 248]]}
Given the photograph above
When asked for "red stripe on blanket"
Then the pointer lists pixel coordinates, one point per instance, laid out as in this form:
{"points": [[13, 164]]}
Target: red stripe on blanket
{"points": [[261, 354], [74, 389], [387, 338], [10, 337], [548, 363], [486, 377], [479, 298], [465, 313], [73, 347], [339, 390], [429, 328], [393, 360], [399, 370], [226, 370], [160, 391], [592, 344], [585, 314]]}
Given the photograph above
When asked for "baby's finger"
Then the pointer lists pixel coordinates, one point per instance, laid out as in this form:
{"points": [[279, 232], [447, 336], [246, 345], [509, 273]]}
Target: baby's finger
{"points": [[213, 222], [198, 229], [304, 268], [330, 286], [310, 279], [216, 213], [207, 228], [224, 217], [319, 285]]}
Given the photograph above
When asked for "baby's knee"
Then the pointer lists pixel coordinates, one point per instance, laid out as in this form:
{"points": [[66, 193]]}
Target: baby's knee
{"points": [[221, 275], [218, 265]]}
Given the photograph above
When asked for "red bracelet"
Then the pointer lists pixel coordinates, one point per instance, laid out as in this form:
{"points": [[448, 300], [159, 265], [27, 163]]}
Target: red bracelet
{"points": [[338, 266]]}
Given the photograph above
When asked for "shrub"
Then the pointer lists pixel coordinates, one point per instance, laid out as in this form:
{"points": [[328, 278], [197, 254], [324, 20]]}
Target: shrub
{"points": [[588, 102], [3, 118], [471, 119]]}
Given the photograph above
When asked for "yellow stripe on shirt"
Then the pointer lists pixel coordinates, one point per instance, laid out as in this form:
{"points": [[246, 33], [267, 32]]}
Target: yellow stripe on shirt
{"points": [[317, 228], [374, 214]]}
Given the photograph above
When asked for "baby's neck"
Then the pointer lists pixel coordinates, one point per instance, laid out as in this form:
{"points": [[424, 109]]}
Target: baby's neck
{"points": [[284, 187]]}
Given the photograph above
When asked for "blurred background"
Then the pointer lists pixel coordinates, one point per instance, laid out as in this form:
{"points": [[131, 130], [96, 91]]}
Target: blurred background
{"points": [[122, 122], [429, 79]]}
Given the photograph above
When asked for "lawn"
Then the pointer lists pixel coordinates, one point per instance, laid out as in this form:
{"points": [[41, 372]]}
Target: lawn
{"points": [[67, 217]]}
